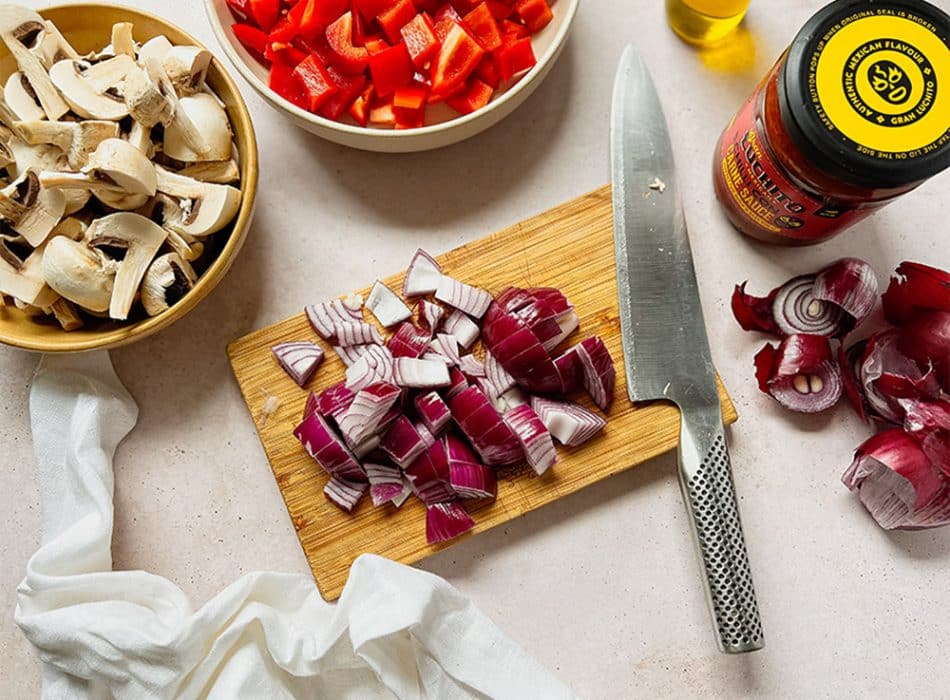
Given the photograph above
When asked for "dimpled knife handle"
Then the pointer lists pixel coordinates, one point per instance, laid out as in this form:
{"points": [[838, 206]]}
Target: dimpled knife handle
{"points": [[706, 477]]}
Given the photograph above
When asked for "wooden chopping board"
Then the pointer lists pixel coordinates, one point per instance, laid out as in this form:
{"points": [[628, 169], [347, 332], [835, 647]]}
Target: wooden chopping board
{"points": [[569, 247]]}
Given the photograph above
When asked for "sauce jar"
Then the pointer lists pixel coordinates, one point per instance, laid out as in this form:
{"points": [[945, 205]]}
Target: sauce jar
{"points": [[855, 113]]}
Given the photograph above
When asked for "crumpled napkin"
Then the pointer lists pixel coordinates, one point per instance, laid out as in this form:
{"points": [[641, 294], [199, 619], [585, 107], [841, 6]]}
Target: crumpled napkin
{"points": [[396, 632]]}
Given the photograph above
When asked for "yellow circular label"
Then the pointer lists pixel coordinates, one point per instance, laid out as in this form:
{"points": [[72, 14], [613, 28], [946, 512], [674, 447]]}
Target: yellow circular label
{"points": [[882, 79]]}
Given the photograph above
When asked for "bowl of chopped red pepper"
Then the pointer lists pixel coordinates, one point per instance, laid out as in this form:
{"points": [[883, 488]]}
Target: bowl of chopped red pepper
{"points": [[393, 75]]}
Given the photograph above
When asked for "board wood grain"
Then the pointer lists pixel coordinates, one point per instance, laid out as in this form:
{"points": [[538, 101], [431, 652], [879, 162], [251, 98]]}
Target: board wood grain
{"points": [[569, 247]]}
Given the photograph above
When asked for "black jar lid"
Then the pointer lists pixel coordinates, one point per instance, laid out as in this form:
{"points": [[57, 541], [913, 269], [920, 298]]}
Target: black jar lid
{"points": [[865, 91]]}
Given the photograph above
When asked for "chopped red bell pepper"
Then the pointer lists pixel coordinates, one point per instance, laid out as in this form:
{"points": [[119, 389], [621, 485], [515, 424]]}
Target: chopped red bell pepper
{"points": [[514, 29], [419, 35], [312, 17], [476, 96], [457, 58], [347, 57], [282, 82], [241, 9], [499, 10], [316, 82], [251, 38], [382, 113], [409, 118], [375, 44], [487, 72], [284, 31], [391, 69], [348, 89], [371, 9], [359, 109], [463, 7], [411, 97], [395, 18], [483, 27], [535, 13], [290, 53], [514, 57], [264, 12], [446, 11]]}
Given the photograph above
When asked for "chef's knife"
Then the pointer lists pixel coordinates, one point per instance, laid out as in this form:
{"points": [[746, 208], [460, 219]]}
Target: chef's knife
{"points": [[665, 348]]}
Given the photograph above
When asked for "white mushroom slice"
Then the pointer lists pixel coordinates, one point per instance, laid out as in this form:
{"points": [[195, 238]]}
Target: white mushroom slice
{"points": [[155, 48], [115, 166], [207, 207], [21, 29], [219, 171], [140, 137], [21, 99], [122, 41], [187, 68], [168, 279], [82, 96], [54, 47], [107, 74], [31, 210], [71, 227], [141, 239], [204, 112], [121, 201], [76, 139], [7, 116], [23, 279], [6, 155], [43, 157], [28, 309], [145, 99], [75, 201], [179, 118], [79, 273], [167, 213], [67, 315]]}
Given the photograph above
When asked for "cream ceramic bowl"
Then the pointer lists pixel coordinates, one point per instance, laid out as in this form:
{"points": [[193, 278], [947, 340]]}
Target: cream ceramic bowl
{"points": [[87, 27], [445, 127]]}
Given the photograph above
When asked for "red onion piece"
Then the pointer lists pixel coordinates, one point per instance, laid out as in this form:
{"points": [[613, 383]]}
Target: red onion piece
{"points": [[567, 323], [428, 475], [927, 339], [850, 284], [487, 386], [887, 374], [471, 367], [447, 346], [445, 521], [366, 447], [754, 313], [350, 354], [355, 333], [430, 316], [385, 482], [299, 359], [458, 383], [520, 352], [408, 341], [849, 366], [375, 365], [361, 420], [323, 317], [386, 306], [494, 441], [496, 374], [600, 376], [570, 370], [343, 493], [433, 411], [465, 330], [472, 480], [471, 300], [423, 275], [545, 311], [914, 288], [570, 423], [421, 374], [333, 401], [507, 400], [402, 442], [534, 436], [428, 439], [311, 406], [797, 311], [898, 484], [327, 449], [800, 374]]}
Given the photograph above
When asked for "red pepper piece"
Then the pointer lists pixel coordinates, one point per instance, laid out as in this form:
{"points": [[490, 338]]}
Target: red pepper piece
{"points": [[535, 13], [241, 9], [251, 38], [499, 10], [487, 72], [457, 58], [382, 113], [446, 12], [265, 12], [395, 18], [284, 31], [476, 96], [359, 110], [290, 53], [515, 57], [348, 89], [375, 44], [282, 82], [391, 69], [316, 82], [419, 35], [347, 57], [371, 9], [483, 27], [514, 29], [463, 7], [410, 97], [409, 118], [312, 17]]}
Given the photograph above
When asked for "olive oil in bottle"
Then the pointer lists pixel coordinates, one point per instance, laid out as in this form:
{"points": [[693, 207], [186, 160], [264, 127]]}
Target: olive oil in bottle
{"points": [[705, 21]]}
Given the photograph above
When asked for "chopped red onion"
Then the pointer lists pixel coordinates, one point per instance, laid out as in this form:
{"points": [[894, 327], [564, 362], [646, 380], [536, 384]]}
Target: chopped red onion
{"points": [[487, 386], [350, 354], [472, 480], [361, 420], [534, 436], [570, 370], [567, 323], [327, 449], [343, 493], [356, 333], [428, 475], [368, 446], [299, 359], [311, 406], [799, 374], [915, 288], [850, 284], [754, 313], [471, 367], [421, 374], [599, 374], [465, 330], [445, 521], [402, 442], [323, 317], [496, 374], [458, 382], [447, 346], [570, 423], [386, 306], [898, 484], [385, 482], [333, 401], [423, 275], [494, 441], [507, 400], [430, 316], [428, 439], [376, 365], [408, 341], [433, 411], [520, 352], [463, 297]]}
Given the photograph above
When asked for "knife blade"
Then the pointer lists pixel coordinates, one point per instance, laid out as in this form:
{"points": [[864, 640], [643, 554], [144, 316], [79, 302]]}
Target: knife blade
{"points": [[665, 346]]}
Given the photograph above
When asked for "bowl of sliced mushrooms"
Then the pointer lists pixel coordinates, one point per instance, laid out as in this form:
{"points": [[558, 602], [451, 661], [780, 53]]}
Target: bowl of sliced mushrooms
{"points": [[128, 169]]}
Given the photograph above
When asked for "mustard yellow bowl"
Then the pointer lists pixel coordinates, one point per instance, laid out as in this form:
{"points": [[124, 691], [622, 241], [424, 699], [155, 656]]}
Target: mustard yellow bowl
{"points": [[87, 26]]}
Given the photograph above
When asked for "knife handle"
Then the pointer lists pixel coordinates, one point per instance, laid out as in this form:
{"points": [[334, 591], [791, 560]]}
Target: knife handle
{"points": [[706, 480]]}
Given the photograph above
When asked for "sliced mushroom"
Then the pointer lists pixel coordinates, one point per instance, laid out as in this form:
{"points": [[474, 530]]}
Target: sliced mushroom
{"points": [[67, 314], [76, 139], [145, 99], [168, 279], [71, 227], [115, 166], [29, 209], [22, 277], [180, 120], [141, 239], [206, 207], [108, 74], [211, 121], [166, 212], [122, 41], [155, 48], [7, 116], [53, 47], [6, 155], [219, 171], [79, 273], [140, 137], [82, 95], [121, 201], [19, 96], [187, 68], [21, 29]]}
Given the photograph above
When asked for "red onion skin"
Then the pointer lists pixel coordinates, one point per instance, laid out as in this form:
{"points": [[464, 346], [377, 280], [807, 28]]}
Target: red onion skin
{"points": [[850, 382], [915, 288], [754, 313], [850, 284], [927, 339]]}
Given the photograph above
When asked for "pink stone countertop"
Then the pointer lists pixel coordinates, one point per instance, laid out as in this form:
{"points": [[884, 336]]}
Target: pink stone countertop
{"points": [[602, 587]]}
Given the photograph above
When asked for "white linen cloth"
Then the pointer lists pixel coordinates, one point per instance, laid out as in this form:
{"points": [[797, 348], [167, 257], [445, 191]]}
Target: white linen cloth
{"points": [[396, 632]]}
